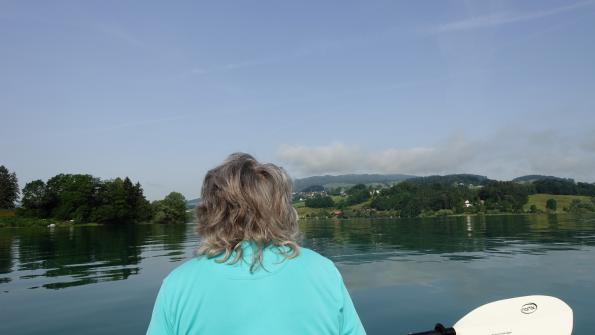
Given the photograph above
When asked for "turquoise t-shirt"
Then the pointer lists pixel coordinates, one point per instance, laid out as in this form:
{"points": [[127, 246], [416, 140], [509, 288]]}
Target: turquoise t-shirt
{"points": [[303, 295]]}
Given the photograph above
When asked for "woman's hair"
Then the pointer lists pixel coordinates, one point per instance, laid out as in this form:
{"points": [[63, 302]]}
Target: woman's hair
{"points": [[244, 200]]}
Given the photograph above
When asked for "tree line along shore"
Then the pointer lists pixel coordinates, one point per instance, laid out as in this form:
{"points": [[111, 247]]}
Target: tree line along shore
{"points": [[83, 199], [447, 195]]}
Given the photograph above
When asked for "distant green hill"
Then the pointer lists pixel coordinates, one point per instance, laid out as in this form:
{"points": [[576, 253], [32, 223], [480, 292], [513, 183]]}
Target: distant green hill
{"points": [[535, 177], [463, 178], [314, 183], [347, 180], [313, 188], [192, 203]]}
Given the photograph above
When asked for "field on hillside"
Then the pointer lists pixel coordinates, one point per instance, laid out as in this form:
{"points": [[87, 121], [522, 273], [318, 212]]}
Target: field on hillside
{"points": [[7, 212], [563, 201]]}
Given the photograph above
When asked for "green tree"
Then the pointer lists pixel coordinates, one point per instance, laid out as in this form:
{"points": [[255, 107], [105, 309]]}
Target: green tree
{"points": [[357, 194], [504, 196], [555, 186], [85, 198], [334, 190], [320, 201], [9, 188], [172, 209], [114, 203], [72, 196], [551, 204], [120, 201], [141, 205], [35, 200], [413, 198]]}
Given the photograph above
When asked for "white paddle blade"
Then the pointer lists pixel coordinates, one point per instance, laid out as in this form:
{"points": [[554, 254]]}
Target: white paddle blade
{"points": [[530, 315]]}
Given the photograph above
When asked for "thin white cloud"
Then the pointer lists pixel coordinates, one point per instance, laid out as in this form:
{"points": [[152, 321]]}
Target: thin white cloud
{"points": [[503, 155], [501, 18]]}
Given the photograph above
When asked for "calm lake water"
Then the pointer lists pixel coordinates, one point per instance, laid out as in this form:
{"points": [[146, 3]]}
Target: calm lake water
{"points": [[403, 275]]}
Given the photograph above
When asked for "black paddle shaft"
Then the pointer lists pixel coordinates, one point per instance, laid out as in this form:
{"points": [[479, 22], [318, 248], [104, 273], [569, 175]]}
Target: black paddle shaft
{"points": [[438, 330]]}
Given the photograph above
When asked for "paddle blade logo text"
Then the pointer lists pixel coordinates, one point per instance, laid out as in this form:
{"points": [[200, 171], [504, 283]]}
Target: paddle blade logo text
{"points": [[529, 308]]}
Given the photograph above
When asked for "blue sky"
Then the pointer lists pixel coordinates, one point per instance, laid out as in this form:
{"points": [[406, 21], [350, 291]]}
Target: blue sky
{"points": [[161, 92]]}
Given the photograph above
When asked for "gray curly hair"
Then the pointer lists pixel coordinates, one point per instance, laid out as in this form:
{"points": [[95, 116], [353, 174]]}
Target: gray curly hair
{"points": [[244, 200]]}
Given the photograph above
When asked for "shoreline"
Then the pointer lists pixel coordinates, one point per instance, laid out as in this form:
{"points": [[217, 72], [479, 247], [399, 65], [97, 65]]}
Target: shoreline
{"points": [[21, 222], [27, 222], [438, 216]]}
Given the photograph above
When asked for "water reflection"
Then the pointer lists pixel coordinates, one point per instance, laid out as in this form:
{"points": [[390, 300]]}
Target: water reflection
{"points": [[74, 256], [104, 279], [64, 257], [453, 238]]}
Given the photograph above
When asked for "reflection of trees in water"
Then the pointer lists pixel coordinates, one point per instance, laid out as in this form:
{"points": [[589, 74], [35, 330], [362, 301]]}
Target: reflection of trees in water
{"points": [[73, 256], [83, 255], [497, 234], [173, 239], [6, 261], [171, 236]]}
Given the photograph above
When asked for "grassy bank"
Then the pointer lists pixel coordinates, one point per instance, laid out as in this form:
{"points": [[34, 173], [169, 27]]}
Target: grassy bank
{"points": [[7, 213], [19, 221], [562, 201]]}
